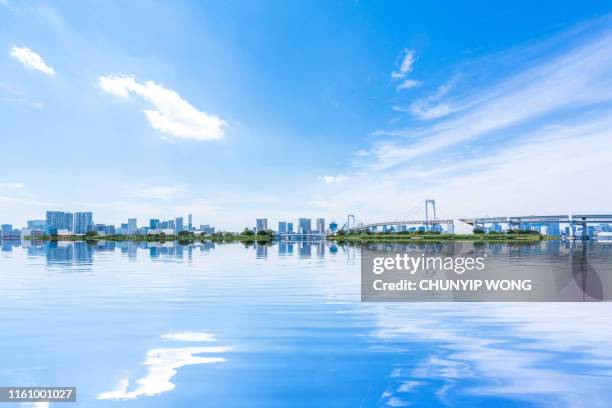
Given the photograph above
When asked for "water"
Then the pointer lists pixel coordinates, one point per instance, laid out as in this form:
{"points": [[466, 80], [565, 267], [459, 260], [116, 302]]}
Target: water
{"points": [[233, 326]]}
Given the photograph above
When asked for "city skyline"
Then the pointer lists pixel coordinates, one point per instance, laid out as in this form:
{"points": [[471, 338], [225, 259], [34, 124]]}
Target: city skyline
{"points": [[251, 109]]}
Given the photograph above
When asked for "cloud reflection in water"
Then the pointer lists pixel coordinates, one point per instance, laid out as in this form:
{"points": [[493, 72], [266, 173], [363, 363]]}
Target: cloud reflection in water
{"points": [[163, 364]]}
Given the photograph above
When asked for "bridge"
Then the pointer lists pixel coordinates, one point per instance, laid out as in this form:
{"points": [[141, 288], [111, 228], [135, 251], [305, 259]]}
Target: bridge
{"points": [[554, 221], [430, 223]]}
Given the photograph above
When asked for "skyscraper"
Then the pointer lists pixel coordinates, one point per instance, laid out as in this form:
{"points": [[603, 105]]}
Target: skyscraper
{"points": [[189, 222], [321, 225], [282, 227], [289, 227], [178, 225], [132, 228], [83, 222], [60, 220], [304, 226], [154, 223], [37, 224], [261, 224]]}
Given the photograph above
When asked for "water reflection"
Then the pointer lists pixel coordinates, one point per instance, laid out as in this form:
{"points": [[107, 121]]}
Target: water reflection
{"points": [[163, 363], [302, 337]]}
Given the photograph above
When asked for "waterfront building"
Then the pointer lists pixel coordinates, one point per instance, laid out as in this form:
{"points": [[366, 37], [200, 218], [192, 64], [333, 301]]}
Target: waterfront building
{"points": [[321, 225], [131, 226], [304, 226], [37, 224], [207, 229], [282, 227], [178, 224], [189, 222], [290, 227], [154, 223], [60, 220], [333, 226], [261, 224], [83, 222]]}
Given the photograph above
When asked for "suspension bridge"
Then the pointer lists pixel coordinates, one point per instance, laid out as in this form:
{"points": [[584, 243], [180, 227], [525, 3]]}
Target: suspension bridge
{"points": [[404, 222]]}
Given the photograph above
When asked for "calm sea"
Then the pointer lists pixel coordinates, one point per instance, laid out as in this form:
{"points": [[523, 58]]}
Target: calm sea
{"points": [[231, 325]]}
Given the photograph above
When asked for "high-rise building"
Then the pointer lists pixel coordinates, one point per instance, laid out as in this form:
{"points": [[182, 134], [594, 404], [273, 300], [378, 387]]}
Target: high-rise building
{"points": [[289, 227], [131, 226], [37, 224], [304, 226], [333, 226], [83, 222], [189, 222], [154, 223], [282, 227], [60, 220], [178, 225], [321, 225], [261, 224]]}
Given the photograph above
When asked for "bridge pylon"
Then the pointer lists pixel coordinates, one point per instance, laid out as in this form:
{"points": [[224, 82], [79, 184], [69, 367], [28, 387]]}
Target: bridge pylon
{"points": [[429, 202]]}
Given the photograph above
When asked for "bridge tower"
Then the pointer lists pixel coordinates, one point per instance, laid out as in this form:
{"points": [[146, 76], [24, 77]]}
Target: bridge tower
{"points": [[350, 224], [429, 202]]}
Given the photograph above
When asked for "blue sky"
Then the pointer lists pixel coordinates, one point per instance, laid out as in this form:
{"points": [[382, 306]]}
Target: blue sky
{"points": [[238, 110]]}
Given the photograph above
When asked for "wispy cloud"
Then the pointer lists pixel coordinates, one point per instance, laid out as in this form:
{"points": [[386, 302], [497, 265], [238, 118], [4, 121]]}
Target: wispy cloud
{"points": [[31, 60], [405, 64], [408, 84], [573, 80], [333, 179], [11, 185], [172, 114]]}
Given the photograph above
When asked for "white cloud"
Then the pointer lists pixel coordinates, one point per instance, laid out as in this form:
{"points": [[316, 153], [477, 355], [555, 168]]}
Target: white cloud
{"points": [[172, 114], [408, 59], [12, 185], [333, 179], [31, 60], [158, 192], [408, 84]]}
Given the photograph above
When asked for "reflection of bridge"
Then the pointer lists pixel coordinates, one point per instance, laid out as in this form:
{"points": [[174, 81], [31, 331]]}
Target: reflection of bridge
{"points": [[526, 222]]}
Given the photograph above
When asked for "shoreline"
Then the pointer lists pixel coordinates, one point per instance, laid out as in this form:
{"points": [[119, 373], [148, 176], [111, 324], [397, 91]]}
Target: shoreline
{"points": [[434, 238]]}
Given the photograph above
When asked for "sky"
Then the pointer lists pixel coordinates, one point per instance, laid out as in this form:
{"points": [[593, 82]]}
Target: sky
{"points": [[239, 110]]}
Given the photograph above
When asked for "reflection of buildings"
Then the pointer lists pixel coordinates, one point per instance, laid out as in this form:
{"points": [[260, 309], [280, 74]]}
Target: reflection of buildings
{"points": [[320, 249], [69, 252], [304, 248], [261, 250]]}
